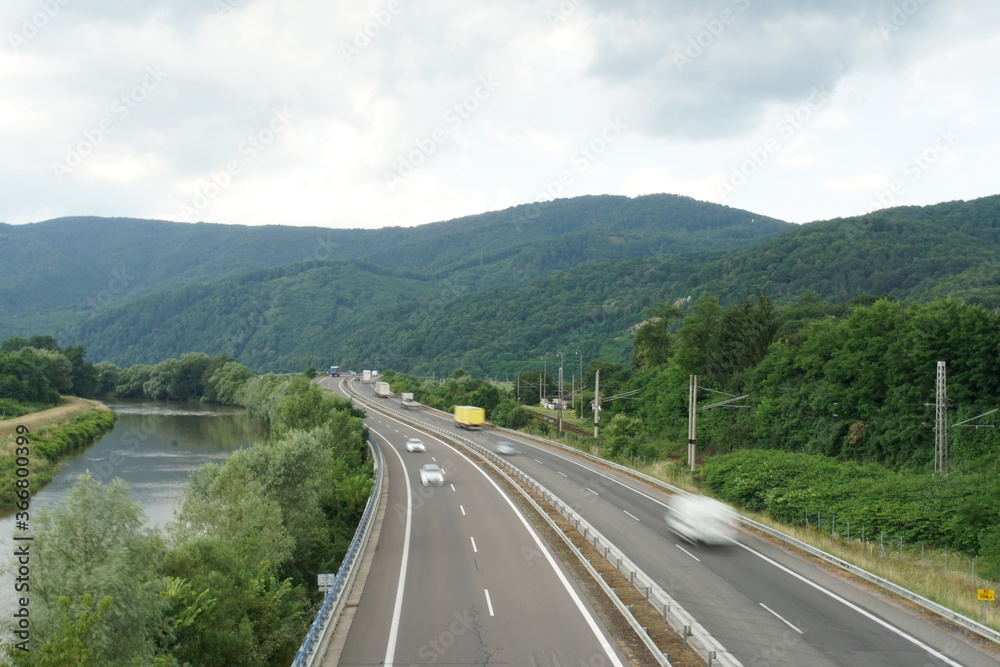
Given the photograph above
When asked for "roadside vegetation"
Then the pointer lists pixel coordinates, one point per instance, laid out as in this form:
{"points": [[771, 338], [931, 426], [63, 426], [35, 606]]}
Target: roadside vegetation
{"points": [[232, 579], [837, 434]]}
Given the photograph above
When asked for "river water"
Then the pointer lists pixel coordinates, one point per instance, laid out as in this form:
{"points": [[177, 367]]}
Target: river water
{"points": [[154, 447]]}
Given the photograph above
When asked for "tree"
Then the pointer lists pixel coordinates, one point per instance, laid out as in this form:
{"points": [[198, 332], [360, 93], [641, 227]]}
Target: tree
{"points": [[72, 643], [694, 340], [95, 544], [227, 501], [25, 376], [622, 434], [653, 344]]}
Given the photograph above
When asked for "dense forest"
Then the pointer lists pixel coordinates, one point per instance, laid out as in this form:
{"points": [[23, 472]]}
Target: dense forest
{"points": [[59, 274], [360, 314], [35, 371]]}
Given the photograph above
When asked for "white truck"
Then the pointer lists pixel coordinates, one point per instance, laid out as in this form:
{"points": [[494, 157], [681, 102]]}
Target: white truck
{"points": [[382, 390], [366, 376], [408, 402]]}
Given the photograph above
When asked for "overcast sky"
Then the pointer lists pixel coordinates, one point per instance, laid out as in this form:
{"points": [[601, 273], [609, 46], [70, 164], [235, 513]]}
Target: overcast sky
{"points": [[401, 112]]}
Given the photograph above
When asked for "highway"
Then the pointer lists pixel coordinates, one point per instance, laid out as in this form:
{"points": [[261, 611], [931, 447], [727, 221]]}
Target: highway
{"points": [[458, 576], [764, 604]]}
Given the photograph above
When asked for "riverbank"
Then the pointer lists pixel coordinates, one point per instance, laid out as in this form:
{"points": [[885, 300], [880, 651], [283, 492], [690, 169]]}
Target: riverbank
{"points": [[52, 434]]}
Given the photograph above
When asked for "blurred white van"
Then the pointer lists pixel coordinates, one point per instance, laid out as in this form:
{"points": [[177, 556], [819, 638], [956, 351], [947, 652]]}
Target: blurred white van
{"points": [[700, 519]]}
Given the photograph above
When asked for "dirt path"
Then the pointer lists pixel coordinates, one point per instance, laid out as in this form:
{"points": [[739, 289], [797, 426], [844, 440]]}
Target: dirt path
{"points": [[69, 406]]}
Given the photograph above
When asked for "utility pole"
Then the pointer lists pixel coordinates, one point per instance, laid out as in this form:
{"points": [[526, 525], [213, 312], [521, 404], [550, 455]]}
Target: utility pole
{"points": [[561, 359], [941, 421], [580, 414], [693, 411], [692, 416], [597, 400], [560, 397]]}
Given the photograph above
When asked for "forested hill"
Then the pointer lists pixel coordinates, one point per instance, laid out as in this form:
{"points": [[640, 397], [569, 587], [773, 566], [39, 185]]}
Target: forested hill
{"points": [[57, 273], [363, 315]]}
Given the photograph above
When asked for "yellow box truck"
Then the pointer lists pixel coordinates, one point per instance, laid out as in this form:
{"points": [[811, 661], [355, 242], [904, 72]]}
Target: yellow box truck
{"points": [[467, 416]]}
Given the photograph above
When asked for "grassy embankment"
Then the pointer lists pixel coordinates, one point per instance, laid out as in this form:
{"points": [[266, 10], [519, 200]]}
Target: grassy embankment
{"points": [[52, 433], [942, 576]]}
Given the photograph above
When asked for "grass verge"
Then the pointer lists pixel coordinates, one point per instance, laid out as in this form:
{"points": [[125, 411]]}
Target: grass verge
{"points": [[52, 434]]}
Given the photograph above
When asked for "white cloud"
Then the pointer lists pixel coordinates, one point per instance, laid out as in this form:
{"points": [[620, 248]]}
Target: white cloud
{"points": [[374, 84]]}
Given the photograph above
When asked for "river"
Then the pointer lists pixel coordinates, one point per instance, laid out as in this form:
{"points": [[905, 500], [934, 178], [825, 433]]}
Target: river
{"points": [[154, 447]]}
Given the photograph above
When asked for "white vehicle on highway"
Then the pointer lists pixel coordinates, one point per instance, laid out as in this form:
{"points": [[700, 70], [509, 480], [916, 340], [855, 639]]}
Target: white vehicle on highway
{"points": [[432, 474], [700, 519], [415, 445], [505, 448]]}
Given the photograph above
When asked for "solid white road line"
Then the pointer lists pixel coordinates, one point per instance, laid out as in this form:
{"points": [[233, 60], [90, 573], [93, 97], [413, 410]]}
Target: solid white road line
{"points": [[913, 640], [390, 650], [549, 558]]}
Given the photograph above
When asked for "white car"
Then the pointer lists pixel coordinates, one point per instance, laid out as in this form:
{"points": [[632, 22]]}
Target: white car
{"points": [[505, 448], [415, 445], [432, 474]]}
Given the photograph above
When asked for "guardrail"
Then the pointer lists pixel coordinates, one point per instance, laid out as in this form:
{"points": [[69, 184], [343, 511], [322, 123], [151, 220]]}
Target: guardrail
{"points": [[930, 606], [333, 604], [693, 634]]}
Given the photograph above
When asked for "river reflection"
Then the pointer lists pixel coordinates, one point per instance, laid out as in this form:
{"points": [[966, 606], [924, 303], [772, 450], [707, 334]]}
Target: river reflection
{"points": [[154, 447]]}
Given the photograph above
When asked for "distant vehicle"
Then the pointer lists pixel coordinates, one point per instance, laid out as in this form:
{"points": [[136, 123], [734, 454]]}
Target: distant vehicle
{"points": [[335, 371], [469, 417], [701, 520], [366, 376], [408, 401], [432, 474], [415, 445], [505, 448], [382, 390]]}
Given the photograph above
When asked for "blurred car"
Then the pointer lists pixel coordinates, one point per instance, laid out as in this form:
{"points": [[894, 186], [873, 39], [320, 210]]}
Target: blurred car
{"points": [[701, 520], [505, 448], [415, 445], [432, 474]]}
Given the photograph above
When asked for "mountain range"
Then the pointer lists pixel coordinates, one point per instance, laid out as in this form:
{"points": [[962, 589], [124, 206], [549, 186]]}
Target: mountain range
{"points": [[490, 292]]}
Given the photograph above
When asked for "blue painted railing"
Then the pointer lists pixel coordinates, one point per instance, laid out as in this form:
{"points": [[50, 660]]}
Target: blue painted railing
{"points": [[336, 596]]}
